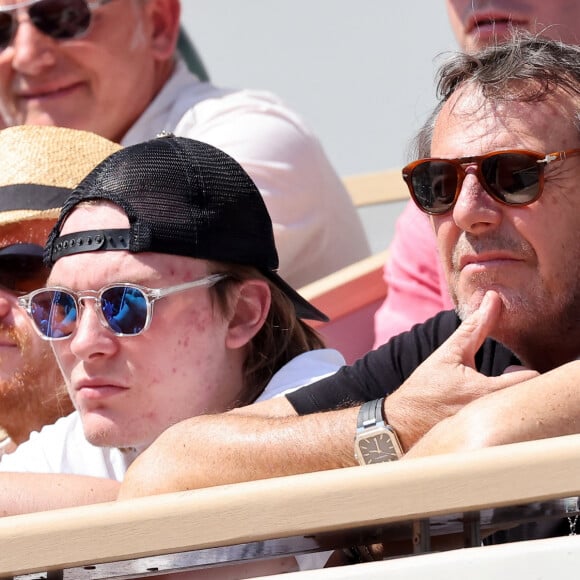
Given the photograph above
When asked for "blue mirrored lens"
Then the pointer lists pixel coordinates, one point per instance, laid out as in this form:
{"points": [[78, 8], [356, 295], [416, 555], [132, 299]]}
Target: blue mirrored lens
{"points": [[125, 309], [54, 313]]}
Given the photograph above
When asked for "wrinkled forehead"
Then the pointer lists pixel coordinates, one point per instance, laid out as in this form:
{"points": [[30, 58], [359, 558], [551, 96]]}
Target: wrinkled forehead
{"points": [[470, 123]]}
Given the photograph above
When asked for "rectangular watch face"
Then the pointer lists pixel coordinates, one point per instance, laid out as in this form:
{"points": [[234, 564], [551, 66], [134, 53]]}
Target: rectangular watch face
{"points": [[377, 447]]}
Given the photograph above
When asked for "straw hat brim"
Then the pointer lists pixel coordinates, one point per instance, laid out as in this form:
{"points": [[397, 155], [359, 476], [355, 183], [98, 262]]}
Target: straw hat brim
{"points": [[40, 166], [24, 215]]}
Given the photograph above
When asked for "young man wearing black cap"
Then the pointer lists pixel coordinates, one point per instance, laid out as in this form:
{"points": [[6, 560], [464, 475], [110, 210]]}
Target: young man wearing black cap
{"points": [[163, 303], [40, 166]]}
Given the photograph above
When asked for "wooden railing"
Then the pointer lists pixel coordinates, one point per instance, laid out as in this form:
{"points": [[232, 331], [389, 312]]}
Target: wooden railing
{"points": [[419, 501], [376, 188]]}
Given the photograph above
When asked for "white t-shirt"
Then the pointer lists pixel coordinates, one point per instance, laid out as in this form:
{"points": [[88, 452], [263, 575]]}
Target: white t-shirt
{"points": [[316, 227], [62, 447]]}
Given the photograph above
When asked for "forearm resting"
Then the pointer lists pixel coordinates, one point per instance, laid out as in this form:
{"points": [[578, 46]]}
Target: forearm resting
{"points": [[545, 406], [22, 493], [220, 449]]}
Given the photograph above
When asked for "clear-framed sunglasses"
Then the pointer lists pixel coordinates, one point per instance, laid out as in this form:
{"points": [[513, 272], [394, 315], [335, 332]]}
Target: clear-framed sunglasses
{"points": [[125, 309]]}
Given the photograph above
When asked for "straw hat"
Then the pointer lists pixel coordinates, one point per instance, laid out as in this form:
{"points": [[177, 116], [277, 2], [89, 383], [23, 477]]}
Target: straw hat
{"points": [[39, 167]]}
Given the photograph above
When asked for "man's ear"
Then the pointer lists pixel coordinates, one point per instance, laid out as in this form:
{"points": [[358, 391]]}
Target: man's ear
{"points": [[249, 312], [163, 18]]}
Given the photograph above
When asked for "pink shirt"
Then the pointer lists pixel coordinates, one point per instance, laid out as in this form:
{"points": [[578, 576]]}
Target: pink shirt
{"points": [[416, 284]]}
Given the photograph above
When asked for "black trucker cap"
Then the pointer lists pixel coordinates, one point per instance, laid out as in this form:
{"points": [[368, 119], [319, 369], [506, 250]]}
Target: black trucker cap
{"points": [[182, 197]]}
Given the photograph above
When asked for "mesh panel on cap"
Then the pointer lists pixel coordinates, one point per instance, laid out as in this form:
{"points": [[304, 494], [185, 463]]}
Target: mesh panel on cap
{"points": [[185, 197]]}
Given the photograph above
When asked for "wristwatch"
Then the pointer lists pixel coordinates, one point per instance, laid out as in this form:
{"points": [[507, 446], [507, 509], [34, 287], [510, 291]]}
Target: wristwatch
{"points": [[375, 441]]}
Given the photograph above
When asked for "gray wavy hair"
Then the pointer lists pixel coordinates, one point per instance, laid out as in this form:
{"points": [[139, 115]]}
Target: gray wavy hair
{"points": [[524, 68]]}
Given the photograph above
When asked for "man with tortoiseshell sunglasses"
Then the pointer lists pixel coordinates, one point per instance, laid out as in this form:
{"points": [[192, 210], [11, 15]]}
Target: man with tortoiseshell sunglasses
{"points": [[414, 276]]}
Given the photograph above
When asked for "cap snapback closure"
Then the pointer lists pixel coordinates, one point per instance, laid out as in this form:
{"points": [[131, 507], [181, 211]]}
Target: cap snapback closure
{"points": [[90, 241]]}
